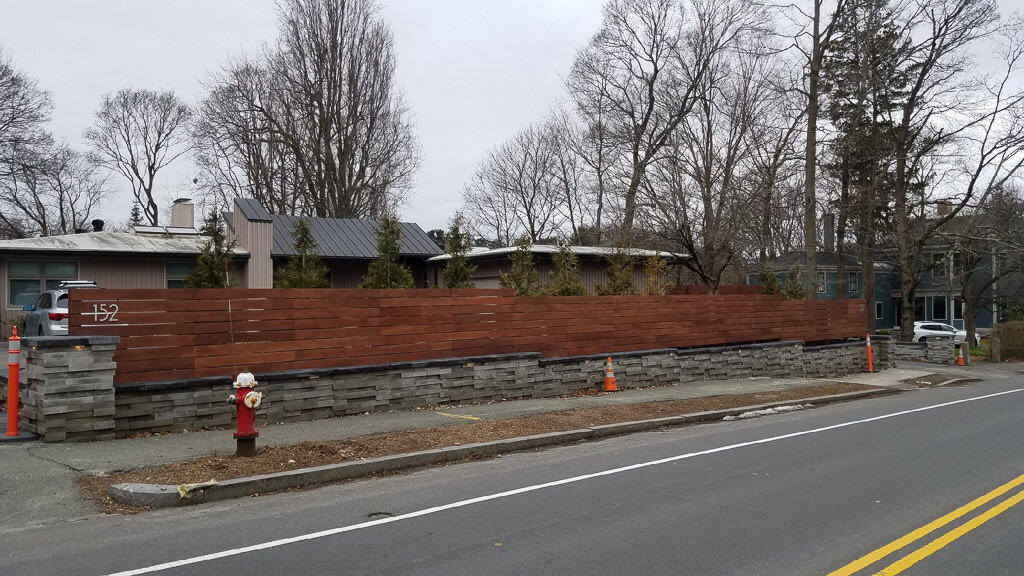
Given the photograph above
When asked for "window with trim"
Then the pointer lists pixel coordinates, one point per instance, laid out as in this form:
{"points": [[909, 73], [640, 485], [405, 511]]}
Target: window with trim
{"points": [[854, 287], [919, 308], [27, 279], [938, 265], [938, 308], [879, 311], [176, 273], [821, 282], [958, 264], [958, 309]]}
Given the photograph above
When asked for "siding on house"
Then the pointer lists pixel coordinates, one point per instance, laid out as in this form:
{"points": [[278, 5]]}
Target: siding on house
{"points": [[124, 273], [257, 236], [488, 273], [347, 273]]}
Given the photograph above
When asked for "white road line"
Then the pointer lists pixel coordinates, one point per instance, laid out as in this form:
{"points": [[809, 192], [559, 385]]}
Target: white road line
{"points": [[525, 489]]}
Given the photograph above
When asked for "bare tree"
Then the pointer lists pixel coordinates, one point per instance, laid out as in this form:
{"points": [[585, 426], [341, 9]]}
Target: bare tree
{"points": [[54, 191], [641, 71], [24, 110], [136, 134], [75, 189], [953, 137], [816, 32], [341, 116], [514, 191], [314, 125], [695, 195], [986, 249], [774, 180], [236, 151]]}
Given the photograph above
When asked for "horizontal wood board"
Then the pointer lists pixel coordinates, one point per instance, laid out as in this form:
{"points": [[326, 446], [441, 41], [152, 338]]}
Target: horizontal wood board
{"points": [[173, 334]]}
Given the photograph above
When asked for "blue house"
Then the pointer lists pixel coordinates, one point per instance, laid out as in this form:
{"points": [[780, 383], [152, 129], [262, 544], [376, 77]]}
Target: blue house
{"points": [[936, 298]]}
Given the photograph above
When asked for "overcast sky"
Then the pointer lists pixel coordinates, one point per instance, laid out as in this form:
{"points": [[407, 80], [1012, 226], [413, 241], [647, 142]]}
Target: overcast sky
{"points": [[473, 71]]}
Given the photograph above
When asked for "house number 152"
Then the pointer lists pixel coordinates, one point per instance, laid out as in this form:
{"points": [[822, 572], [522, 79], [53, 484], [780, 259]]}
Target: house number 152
{"points": [[104, 312]]}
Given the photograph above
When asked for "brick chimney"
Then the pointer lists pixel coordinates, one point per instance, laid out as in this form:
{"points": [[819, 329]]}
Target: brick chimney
{"points": [[944, 207], [183, 213], [829, 225]]}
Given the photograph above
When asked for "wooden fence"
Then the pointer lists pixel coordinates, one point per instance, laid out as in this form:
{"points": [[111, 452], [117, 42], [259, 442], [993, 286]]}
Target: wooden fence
{"points": [[175, 334]]}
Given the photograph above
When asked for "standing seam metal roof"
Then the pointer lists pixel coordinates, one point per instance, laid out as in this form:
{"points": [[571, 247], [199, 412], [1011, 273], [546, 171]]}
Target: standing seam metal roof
{"points": [[348, 238]]}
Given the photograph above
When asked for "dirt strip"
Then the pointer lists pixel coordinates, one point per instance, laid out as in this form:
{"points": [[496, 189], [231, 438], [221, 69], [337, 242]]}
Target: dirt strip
{"points": [[318, 453]]}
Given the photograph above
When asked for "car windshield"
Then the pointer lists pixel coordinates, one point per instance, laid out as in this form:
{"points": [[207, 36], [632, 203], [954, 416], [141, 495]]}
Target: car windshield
{"points": [[62, 301]]}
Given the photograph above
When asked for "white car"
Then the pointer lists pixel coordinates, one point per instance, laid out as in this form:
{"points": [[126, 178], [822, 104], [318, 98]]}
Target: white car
{"points": [[925, 330], [48, 316]]}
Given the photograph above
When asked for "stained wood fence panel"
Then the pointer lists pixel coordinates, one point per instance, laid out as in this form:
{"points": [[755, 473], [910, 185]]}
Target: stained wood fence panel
{"points": [[174, 334]]}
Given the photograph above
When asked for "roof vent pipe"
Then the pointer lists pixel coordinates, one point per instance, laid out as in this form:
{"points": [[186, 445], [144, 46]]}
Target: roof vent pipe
{"points": [[97, 225]]}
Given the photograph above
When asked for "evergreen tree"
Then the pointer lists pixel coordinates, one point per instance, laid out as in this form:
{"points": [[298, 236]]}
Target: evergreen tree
{"points": [[522, 277], [566, 280], [620, 274], [210, 270], [457, 272], [438, 237], [386, 271], [769, 281], [305, 269], [656, 272], [865, 80], [793, 289], [135, 218]]}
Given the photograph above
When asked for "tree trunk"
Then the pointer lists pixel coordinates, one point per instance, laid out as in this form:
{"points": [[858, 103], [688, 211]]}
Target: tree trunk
{"points": [[970, 325], [810, 157], [867, 258]]}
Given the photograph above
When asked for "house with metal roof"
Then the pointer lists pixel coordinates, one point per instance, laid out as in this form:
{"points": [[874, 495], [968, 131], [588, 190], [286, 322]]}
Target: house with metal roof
{"points": [[491, 263], [346, 246], [163, 256]]}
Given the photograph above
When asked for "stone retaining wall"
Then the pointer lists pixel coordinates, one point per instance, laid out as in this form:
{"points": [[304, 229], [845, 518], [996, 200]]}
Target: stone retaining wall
{"points": [[835, 360], [68, 390]]}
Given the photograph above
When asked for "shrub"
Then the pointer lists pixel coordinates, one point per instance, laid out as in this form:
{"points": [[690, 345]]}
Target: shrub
{"points": [[305, 269], [457, 272], [1011, 339], [522, 277], [566, 279], [620, 274], [386, 271], [656, 272], [211, 264]]}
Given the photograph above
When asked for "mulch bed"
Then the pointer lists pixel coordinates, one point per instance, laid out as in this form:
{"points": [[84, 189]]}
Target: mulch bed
{"points": [[271, 459]]}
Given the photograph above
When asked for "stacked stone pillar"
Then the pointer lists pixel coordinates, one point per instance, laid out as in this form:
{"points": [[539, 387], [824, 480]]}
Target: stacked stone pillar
{"points": [[67, 387]]}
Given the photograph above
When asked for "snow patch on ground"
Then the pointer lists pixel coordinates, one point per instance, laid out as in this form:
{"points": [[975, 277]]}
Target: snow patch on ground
{"points": [[768, 411]]}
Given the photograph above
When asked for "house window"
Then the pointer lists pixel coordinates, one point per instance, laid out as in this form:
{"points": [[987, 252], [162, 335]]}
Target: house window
{"points": [[878, 311], [958, 264], [176, 273], [938, 265], [919, 308], [26, 280], [821, 282], [958, 309], [853, 283], [938, 308]]}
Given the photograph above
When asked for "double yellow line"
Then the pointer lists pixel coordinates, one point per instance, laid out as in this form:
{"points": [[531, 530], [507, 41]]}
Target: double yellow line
{"points": [[938, 543]]}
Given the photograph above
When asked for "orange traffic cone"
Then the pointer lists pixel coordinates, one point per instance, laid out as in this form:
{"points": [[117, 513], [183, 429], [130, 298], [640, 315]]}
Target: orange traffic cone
{"points": [[609, 377], [960, 356]]}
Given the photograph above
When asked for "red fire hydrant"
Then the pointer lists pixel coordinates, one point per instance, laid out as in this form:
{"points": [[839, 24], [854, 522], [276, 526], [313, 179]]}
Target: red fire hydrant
{"points": [[247, 400]]}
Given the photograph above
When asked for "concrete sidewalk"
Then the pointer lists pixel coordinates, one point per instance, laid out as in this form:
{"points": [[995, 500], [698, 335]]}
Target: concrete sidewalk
{"points": [[38, 477]]}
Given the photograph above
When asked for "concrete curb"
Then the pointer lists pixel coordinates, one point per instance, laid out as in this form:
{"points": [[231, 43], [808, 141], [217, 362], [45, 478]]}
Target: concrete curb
{"points": [[167, 495]]}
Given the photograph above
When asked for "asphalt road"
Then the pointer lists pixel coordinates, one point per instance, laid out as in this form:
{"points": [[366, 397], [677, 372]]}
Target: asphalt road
{"points": [[799, 493]]}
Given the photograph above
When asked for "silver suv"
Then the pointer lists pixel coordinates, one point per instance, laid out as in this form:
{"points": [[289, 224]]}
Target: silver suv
{"points": [[49, 315]]}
